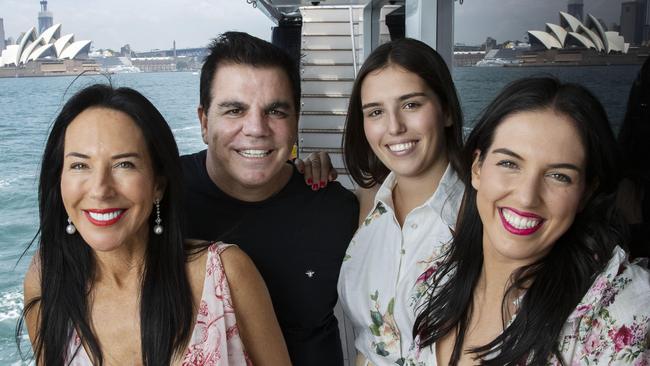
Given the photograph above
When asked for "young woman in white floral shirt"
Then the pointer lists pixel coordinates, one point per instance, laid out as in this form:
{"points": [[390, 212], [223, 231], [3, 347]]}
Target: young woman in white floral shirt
{"points": [[403, 132], [534, 274]]}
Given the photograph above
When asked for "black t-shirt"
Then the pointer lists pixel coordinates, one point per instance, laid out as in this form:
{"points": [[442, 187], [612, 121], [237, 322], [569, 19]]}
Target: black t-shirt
{"points": [[296, 238]]}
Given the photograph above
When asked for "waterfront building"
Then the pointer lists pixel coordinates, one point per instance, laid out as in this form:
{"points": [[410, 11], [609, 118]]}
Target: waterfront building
{"points": [[2, 35], [571, 33], [574, 7], [45, 18], [634, 18]]}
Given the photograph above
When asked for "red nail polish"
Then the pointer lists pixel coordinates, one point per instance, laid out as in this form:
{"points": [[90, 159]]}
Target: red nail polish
{"points": [[322, 184], [314, 187], [309, 181]]}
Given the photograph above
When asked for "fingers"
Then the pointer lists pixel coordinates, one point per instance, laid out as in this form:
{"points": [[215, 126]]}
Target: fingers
{"points": [[300, 165], [316, 164], [327, 168], [317, 169]]}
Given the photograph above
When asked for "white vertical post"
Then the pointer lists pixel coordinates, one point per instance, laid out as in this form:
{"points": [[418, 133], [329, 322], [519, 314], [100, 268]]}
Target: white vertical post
{"points": [[432, 22]]}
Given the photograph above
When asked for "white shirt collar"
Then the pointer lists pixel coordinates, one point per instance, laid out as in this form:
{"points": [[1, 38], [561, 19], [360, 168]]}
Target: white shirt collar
{"points": [[450, 191]]}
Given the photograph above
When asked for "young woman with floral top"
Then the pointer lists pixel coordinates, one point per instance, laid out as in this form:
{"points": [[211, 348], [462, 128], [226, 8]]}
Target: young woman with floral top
{"points": [[403, 132], [534, 274]]}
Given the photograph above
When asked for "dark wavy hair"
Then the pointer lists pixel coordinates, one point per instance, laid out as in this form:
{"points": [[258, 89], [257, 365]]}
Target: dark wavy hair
{"points": [[417, 57], [555, 283], [67, 263]]}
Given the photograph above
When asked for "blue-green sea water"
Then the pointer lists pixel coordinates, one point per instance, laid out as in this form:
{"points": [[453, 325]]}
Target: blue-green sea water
{"points": [[29, 105]]}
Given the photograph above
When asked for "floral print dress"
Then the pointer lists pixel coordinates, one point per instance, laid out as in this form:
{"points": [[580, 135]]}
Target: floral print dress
{"points": [[215, 339], [610, 325], [383, 263]]}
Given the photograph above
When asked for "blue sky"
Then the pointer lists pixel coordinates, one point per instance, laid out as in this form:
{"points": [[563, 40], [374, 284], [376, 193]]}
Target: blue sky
{"points": [[148, 24]]}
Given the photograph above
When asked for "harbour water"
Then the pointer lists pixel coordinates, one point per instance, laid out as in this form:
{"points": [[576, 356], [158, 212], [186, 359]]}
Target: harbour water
{"points": [[28, 107]]}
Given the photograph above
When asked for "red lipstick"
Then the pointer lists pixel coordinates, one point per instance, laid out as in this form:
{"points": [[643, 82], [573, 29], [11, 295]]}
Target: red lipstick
{"points": [[517, 231], [100, 222]]}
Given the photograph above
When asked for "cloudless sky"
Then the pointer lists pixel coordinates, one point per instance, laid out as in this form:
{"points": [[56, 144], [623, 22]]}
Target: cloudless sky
{"points": [[148, 24]]}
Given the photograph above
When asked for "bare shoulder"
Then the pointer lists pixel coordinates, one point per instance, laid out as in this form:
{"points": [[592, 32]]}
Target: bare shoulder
{"points": [[32, 282], [237, 264]]}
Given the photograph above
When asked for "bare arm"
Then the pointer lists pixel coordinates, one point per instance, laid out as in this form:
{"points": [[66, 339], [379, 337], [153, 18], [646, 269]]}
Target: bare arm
{"points": [[366, 197], [32, 290], [258, 326]]}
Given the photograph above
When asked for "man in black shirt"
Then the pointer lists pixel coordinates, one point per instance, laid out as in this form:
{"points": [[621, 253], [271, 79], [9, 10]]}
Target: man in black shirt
{"points": [[242, 190]]}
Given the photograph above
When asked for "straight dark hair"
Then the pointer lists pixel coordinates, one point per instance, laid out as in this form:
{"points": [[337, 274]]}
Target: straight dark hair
{"points": [[67, 264], [417, 57], [635, 130], [243, 49], [553, 285]]}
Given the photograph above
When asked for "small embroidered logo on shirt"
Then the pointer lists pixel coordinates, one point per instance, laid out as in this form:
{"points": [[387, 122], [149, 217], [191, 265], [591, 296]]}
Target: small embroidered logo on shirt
{"points": [[310, 273]]}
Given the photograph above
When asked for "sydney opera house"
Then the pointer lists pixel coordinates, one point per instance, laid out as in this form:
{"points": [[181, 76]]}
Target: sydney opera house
{"points": [[49, 44], [46, 54], [572, 33]]}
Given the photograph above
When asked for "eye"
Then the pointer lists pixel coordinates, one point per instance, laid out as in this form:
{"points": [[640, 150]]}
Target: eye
{"points": [[125, 165], [375, 113], [78, 166], [562, 178], [508, 164], [411, 105], [233, 112], [277, 113]]}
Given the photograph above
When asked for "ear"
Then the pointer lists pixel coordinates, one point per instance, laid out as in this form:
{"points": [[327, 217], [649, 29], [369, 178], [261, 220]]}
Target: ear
{"points": [[159, 188], [476, 170], [447, 118], [203, 120]]}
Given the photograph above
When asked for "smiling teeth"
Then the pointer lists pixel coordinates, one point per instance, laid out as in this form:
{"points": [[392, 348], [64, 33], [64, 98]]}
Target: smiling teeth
{"points": [[254, 153], [105, 216], [519, 222], [401, 147]]}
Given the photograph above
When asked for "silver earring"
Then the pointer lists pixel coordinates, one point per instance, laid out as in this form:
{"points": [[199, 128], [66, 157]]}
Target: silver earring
{"points": [[70, 229], [158, 229]]}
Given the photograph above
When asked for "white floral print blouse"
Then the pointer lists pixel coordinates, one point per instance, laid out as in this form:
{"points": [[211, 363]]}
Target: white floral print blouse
{"points": [[610, 325], [383, 262]]}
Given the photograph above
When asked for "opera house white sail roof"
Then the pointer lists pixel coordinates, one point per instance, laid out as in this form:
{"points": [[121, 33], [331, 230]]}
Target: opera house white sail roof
{"points": [[48, 45], [573, 33]]}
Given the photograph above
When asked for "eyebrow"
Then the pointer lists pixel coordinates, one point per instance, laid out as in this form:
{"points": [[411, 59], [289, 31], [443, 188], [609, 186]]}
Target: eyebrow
{"points": [[114, 157], [400, 98], [232, 104], [517, 156], [279, 104]]}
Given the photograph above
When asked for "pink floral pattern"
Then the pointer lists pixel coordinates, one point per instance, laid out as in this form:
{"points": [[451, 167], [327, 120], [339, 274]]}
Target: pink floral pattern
{"points": [[610, 325], [215, 339]]}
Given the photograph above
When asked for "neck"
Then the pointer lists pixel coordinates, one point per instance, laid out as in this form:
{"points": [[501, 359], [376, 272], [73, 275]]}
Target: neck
{"points": [[246, 193], [411, 192], [496, 276], [122, 267]]}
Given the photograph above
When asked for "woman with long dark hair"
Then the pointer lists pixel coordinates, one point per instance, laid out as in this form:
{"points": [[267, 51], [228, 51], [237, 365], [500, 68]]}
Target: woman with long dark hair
{"points": [[403, 133], [113, 281], [534, 274]]}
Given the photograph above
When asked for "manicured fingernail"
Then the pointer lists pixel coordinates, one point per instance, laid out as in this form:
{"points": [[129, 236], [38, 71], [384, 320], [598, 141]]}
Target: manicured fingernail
{"points": [[309, 181], [314, 187], [322, 184]]}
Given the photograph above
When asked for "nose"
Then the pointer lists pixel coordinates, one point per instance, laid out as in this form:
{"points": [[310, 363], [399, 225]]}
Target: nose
{"points": [[395, 125], [102, 184], [256, 125], [529, 190]]}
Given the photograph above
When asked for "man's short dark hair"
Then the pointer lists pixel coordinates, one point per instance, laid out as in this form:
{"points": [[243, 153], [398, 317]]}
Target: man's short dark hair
{"points": [[243, 49]]}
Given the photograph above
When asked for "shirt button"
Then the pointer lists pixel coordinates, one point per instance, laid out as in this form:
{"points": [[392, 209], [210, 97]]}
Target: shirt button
{"points": [[414, 226]]}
